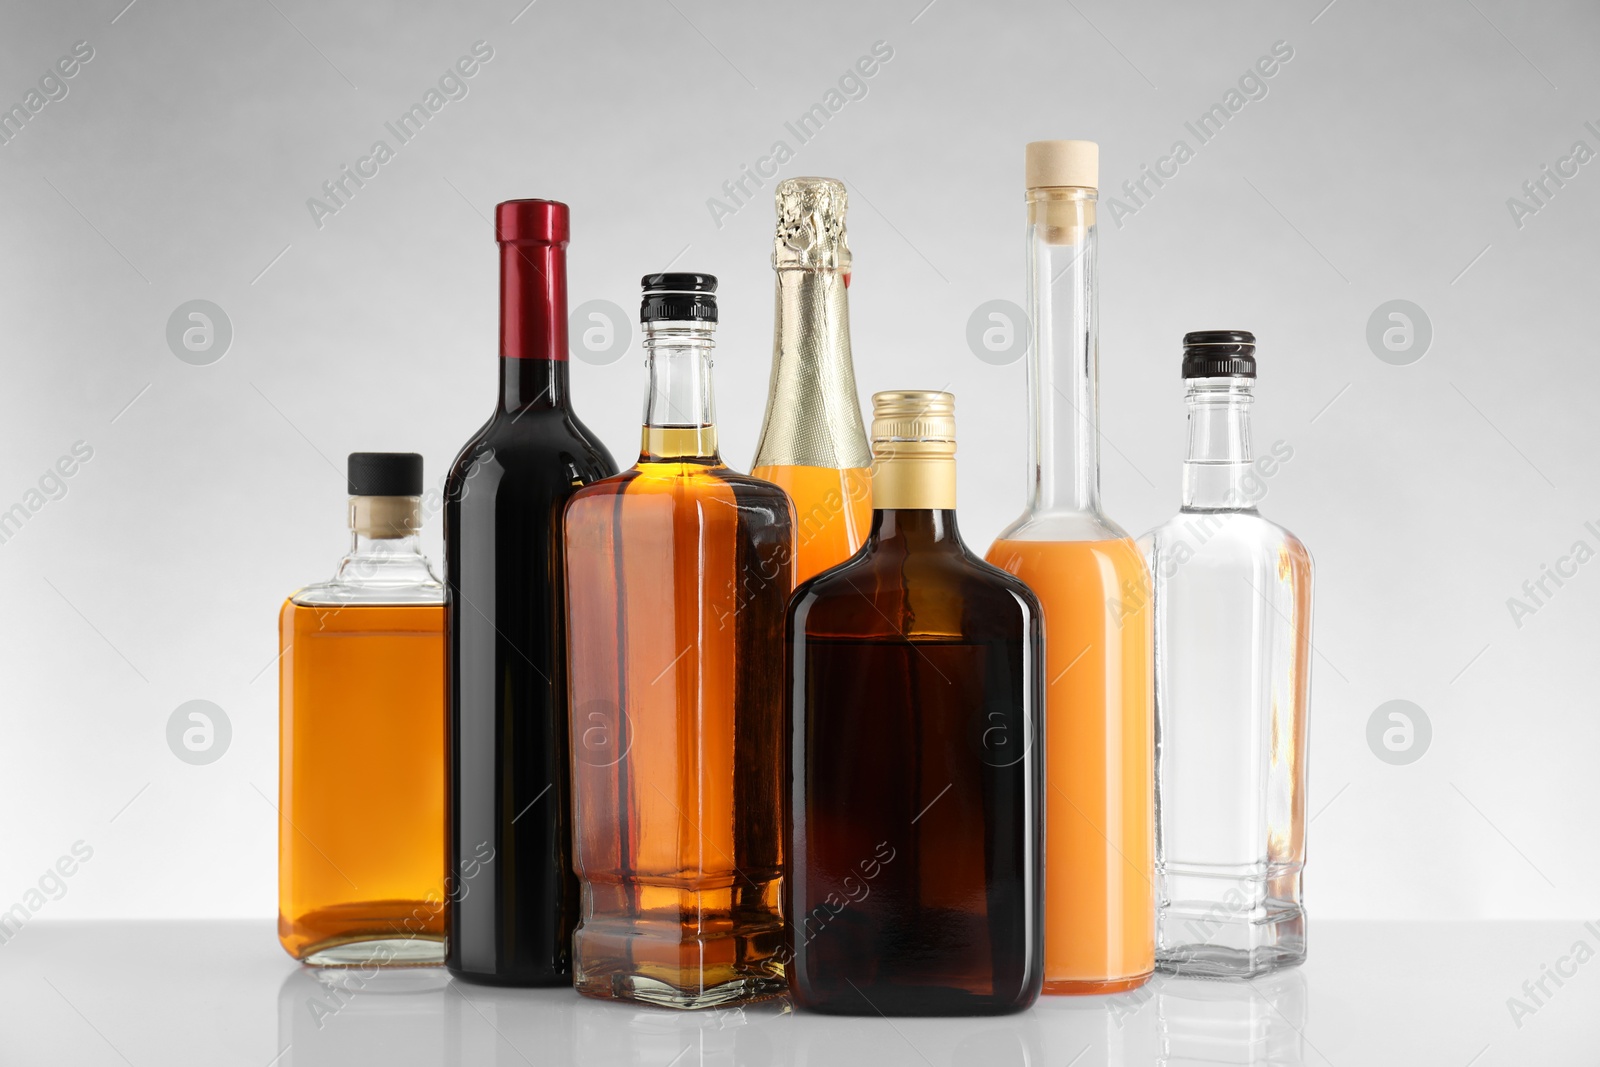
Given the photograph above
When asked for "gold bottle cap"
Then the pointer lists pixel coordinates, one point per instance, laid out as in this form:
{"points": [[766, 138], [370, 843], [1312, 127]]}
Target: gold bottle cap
{"points": [[914, 450], [1053, 164], [920, 416], [810, 233]]}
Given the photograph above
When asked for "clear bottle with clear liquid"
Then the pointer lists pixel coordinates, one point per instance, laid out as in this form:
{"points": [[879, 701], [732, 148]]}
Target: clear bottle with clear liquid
{"points": [[1231, 601]]}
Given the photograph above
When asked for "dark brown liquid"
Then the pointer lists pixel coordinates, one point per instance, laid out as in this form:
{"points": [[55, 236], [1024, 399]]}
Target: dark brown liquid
{"points": [[915, 874]]}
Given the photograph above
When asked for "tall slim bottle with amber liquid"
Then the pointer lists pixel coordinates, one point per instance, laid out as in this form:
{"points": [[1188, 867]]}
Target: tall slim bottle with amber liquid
{"points": [[813, 443], [678, 574], [361, 876], [1094, 586]]}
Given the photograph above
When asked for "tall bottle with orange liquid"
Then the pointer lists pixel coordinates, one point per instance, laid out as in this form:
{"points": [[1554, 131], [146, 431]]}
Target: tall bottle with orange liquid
{"points": [[361, 859], [1099, 911], [813, 443], [678, 573]]}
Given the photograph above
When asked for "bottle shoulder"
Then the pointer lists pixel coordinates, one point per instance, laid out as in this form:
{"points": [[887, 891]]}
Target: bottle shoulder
{"points": [[351, 594], [1221, 534], [661, 495], [674, 477], [960, 577], [1063, 526], [533, 441]]}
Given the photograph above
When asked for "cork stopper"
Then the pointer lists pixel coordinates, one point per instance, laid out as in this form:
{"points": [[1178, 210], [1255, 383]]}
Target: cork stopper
{"points": [[810, 234], [385, 517], [1056, 164]]}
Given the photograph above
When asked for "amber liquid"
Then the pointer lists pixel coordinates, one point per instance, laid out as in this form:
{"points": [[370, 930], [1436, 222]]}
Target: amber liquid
{"points": [[361, 783], [1099, 760], [678, 572], [833, 511]]}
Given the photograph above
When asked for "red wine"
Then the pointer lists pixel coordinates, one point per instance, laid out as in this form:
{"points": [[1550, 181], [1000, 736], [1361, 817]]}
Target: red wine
{"points": [[511, 896]]}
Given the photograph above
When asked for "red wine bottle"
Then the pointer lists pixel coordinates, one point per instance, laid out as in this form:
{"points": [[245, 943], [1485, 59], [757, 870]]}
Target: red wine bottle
{"points": [[511, 896]]}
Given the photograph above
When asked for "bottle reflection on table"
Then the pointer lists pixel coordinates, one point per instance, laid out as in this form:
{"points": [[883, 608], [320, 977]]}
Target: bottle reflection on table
{"points": [[1258, 1024], [342, 1015]]}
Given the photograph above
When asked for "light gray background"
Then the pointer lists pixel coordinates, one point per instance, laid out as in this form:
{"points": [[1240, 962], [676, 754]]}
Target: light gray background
{"points": [[1377, 168]]}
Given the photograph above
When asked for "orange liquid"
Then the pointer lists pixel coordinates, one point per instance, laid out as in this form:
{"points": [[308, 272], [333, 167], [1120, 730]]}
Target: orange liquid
{"points": [[678, 574], [1099, 923], [361, 777], [833, 512]]}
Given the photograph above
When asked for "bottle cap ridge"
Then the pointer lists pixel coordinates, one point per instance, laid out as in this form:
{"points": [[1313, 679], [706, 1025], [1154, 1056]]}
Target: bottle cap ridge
{"points": [[1053, 164], [679, 296], [914, 416], [1219, 354]]}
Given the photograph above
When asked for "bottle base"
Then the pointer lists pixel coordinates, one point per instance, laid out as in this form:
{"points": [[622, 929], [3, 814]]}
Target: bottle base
{"points": [[540, 980], [708, 962], [907, 1001], [1214, 961], [1230, 947], [1072, 987], [379, 952], [645, 990]]}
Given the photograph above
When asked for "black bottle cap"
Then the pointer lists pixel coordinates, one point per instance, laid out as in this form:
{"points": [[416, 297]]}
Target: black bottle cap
{"points": [[384, 474], [679, 297], [1219, 354]]}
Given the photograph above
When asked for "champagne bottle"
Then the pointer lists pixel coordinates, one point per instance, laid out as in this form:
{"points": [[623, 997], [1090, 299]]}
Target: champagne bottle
{"points": [[812, 441]]}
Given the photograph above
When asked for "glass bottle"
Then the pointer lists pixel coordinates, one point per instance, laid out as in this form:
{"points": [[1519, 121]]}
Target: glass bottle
{"points": [[915, 783], [1232, 607], [812, 441], [678, 572], [509, 791], [1089, 576], [361, 739]]}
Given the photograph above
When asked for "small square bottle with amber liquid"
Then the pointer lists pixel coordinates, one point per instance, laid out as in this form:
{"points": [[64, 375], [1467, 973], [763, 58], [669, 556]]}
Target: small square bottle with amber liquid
{"points": [[361, 878]]}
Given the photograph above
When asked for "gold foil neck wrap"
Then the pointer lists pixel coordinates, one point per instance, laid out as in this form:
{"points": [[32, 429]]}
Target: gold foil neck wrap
{"points": [[813, 415], [811, 233], [914, 450]]}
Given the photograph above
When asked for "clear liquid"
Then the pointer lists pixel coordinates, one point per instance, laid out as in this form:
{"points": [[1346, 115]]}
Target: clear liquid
{"points": [[1232, 600]]}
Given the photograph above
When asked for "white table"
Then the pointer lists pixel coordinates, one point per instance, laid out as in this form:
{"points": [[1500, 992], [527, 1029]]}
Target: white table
{"points": [[216, 993]]}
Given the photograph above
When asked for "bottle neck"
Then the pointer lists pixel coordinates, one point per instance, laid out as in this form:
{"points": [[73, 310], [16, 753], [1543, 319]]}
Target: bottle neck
{"points": [[679, 415], [1063, 364], [813, 416], [533, 384], [914, 476], [915, 529], [385, 544], [1218, 464], [533, 325]]}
